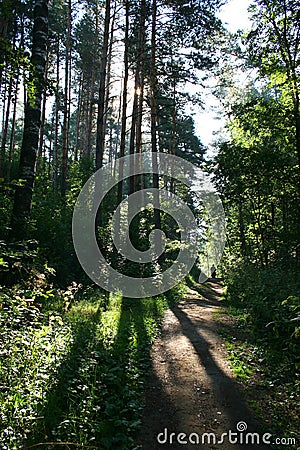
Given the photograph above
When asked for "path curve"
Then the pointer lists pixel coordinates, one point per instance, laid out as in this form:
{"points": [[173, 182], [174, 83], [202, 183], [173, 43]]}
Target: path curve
{"points": [[191, 388]]}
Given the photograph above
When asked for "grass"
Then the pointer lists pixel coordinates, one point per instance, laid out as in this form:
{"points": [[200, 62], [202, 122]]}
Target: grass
{"points": [[241, 366], [266, 373], [73, 368]]}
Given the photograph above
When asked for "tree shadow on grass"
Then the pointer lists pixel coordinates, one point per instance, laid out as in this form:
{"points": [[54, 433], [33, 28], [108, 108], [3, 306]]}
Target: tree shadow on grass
{"points": [[67, 392], [96, 400]]}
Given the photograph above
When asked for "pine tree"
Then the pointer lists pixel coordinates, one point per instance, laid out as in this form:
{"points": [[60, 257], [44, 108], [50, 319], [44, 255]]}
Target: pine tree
{"points": [[32, 122]]}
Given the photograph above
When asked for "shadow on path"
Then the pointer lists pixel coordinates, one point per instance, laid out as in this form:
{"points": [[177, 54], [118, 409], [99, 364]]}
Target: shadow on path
{"points": [[191, 389]]}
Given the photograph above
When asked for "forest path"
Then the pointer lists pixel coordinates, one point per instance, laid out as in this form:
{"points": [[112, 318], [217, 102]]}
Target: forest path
{"points": [[191, 388]]}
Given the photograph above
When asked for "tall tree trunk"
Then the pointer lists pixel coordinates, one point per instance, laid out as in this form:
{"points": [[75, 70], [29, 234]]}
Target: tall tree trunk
{"points": [[118, 130], [56, 123], [41, 149], [65, 129], [50, 159], [173, 137], [13, 126], [22, 46], [124, 101], [90, 115], [133, 129], [4, 18], [100, 141], [91, 91], [109, 59], [110, 151], [86, 109], [4, 104], [157, 218], [42, 132], [100, 138], [137, 99], [137, 183], [78, 119], [32, 122], [5, 128]]}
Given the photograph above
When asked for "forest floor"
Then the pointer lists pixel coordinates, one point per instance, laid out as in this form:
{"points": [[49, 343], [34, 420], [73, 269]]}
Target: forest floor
{"points": [[191, 388]]}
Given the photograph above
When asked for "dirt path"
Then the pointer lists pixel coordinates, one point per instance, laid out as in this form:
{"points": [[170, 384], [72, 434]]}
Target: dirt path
{"points": [[192, 389]]}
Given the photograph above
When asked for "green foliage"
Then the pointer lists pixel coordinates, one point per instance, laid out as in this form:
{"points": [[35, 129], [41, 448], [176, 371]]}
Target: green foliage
{"points": [[257, 177], [240, 368], [256, 172], [21, 263], [74, 365], [5, 208], [51, 224], [266, 367], [270, 298], [32, 347]]}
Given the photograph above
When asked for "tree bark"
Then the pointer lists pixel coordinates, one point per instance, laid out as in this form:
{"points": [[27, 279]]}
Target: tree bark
{"points": [[124, 102], [13, 126], [78, 119], [100, 141], [32, 122], [91, 100], [109, 60], [137, 180], [56, 124], [4, 19], [137, 99], [65, 129], [157, 218], [5, 128], [90, 116], [42, 132]]}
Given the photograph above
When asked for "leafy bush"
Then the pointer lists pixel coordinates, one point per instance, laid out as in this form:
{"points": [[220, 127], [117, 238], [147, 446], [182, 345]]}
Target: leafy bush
{"points": [[21, 263], [32, 347], [271, 299], [74, 366]]}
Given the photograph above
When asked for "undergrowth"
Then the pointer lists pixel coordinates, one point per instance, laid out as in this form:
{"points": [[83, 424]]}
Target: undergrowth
{"points": [[261, 328], [73, 366]]}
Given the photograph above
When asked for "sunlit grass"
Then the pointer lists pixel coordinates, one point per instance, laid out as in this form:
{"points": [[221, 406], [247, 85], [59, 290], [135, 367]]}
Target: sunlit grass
{"points": [[74, 369]]}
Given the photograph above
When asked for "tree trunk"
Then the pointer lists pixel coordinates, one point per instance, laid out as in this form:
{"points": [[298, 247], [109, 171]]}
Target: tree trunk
{"points": [[4, 104], [137, 181], [65, 129], [5, 128], [100, 141], [13, 126], [174, 135], [109, 59], [56, 125], [22, 46], [133, 130], [4, 17], [42, 132], [90, 111], [137, 99], [157, 218], [78, 119], [124, 102], [32, 122]]}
